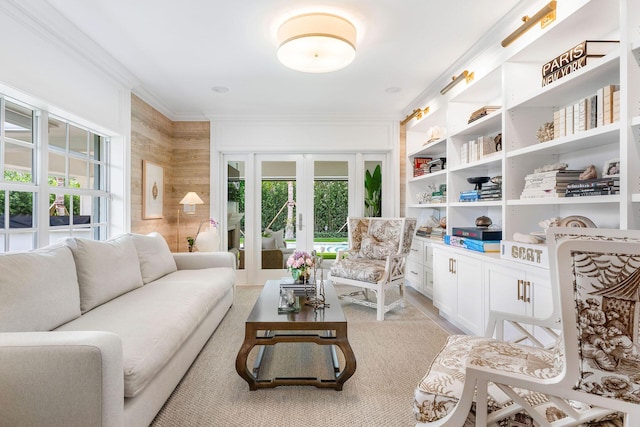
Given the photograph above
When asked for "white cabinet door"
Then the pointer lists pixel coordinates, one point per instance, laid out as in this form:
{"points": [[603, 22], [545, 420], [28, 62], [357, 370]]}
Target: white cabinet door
{"points": [[470, 310], [414, 275], [445, 292], [522, 291], [505, 289]]}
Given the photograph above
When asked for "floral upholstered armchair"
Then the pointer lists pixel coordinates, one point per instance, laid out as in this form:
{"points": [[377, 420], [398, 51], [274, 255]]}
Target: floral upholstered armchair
{"points": [[375, 260], [589, 376]]}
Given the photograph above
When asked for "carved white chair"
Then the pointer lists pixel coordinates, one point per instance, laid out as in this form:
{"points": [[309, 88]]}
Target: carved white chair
{"points": [[375, 260], [590, 375]]}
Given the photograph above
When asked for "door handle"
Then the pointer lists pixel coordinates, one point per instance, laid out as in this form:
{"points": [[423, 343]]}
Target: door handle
{"points": [[300, 222], [526, 286], [520, 287]]}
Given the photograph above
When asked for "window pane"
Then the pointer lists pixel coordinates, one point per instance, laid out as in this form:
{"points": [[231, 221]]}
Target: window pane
{"points": [[18, 163], [57, 134], [18, 123], [95, 145], [99, 210], [78, 173], [21, 241], [20, 209], [78, 140], [57, 170]]}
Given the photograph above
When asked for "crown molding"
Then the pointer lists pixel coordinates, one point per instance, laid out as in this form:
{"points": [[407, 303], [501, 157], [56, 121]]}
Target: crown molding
{"points": [[46, 22]]}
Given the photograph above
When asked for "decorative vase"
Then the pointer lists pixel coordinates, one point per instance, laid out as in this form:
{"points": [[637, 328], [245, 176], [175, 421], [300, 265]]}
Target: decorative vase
{"points": [[208, 240], [295, 273]]}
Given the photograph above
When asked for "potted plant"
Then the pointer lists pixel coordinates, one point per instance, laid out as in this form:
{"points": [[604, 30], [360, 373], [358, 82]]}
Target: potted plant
{"points": [[191, 241]]}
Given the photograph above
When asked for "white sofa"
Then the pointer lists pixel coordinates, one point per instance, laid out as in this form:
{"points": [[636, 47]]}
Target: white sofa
{"points": [[100, 333]]}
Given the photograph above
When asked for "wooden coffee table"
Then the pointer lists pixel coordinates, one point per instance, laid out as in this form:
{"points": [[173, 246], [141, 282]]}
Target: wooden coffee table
{"points": [[278, 328]]}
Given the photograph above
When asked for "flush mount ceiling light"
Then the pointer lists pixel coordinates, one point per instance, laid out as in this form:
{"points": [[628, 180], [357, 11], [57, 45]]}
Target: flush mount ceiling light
{"points": [[316, 43]]}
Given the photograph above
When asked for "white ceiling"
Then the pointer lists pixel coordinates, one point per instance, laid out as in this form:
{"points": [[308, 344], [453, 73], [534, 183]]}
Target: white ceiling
{"points": [[179, 50]]}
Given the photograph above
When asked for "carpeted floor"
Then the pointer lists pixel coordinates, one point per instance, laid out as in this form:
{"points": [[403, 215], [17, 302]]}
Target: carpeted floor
{"points": [[392, 356]]}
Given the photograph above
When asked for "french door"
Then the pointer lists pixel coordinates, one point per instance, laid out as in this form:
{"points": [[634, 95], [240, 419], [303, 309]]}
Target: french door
{"points": [[278, 203], [287, 201]]}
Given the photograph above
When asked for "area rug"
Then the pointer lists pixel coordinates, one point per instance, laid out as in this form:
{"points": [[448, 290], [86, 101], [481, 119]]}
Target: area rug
{"points": [[392, 356]]}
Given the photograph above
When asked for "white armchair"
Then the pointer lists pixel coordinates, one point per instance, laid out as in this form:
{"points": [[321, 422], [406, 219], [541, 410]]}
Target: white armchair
{"points": [[590, 375], [375, 260]]}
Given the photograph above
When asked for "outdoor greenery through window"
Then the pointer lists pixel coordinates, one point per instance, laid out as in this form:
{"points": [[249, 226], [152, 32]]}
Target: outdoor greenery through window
{"points": [[60, 175]]}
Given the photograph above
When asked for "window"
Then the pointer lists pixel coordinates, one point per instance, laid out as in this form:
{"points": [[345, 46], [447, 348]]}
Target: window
{"points": [[53, 184], [76, 179]]}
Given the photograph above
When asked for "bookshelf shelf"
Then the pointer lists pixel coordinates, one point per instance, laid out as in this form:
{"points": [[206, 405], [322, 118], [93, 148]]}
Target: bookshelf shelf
{"points": [[565, 200], [635, 122], [482, 164], [475, 204], [635, 197], [570, 144], [429, 176], [429, 205], [481, 126], [431, 149], [576, 85]]}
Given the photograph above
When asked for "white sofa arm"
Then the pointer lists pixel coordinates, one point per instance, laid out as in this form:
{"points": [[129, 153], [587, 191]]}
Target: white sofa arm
{"points": [[61, 379], [200, 260]]}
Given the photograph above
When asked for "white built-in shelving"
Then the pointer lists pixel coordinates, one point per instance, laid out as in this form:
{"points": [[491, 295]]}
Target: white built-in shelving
{"points": [[511, 79]]}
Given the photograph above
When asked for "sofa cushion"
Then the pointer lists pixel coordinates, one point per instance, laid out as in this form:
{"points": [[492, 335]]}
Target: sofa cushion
{"points": [[106, 269], [155, 320], [38, 290], [154, 256]]}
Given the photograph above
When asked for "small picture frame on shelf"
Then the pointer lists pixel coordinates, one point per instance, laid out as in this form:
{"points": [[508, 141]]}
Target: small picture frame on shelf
{"points": [[611, 168]]}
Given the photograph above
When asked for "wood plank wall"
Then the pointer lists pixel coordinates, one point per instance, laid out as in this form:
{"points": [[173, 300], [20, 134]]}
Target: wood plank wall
{"points": [[182, 149]]}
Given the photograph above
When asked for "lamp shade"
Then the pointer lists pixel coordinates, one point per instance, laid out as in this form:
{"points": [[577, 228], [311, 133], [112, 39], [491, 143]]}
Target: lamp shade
{"points": [[316, 43], [190, 200]]}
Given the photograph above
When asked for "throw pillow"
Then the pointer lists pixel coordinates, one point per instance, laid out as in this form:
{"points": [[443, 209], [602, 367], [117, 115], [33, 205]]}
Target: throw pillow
{"points": [[269, 242], [279, 237], [38, 289], [372, 248], [106, 269], [154, 255]]}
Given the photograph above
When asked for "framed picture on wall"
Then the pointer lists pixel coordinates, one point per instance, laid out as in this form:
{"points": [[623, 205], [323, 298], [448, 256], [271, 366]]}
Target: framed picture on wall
{"points": [[152, 190]]}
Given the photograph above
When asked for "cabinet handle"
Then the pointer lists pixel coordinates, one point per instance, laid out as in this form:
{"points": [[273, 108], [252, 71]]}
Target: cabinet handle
{"points": [[526, 285], [413, 272], [520, 287], [450, 265], [453, 264]]}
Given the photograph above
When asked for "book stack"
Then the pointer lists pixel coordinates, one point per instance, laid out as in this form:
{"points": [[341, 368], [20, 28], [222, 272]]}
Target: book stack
{"points": [[421, 165], [469, 196], [599, 109], [298, 289], [575, 58], [593, 187], [481, 112], [477, 149], [490, 192], [478, 233], [437, 233], [548, 184], [473, 244]]}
